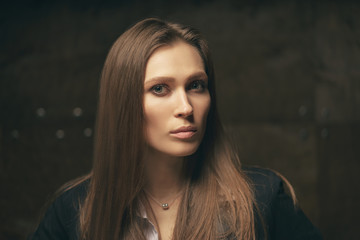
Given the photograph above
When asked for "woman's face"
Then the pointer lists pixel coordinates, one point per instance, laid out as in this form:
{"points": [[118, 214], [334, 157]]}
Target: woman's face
{"points": [[176, 99]]}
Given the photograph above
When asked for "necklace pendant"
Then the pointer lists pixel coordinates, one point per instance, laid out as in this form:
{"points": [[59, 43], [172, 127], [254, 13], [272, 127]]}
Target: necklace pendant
{"points": [[165, 206]]}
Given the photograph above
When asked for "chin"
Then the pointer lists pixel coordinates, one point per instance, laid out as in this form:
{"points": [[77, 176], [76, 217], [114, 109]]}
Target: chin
{"points": [[181, 150], [183, 153]]}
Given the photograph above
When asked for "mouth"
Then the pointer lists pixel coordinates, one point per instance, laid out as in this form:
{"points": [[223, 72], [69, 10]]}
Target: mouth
{"points": [[185, 132]]}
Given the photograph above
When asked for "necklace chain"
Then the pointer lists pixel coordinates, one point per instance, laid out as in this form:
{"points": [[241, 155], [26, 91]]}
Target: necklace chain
{"points": [[164, 206]]}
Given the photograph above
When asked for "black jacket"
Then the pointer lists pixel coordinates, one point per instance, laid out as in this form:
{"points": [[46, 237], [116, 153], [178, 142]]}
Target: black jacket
{"points": [[282, 220]]}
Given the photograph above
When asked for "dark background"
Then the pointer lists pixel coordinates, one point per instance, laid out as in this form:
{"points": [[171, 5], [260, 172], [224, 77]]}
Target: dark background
{"points": [[288, 79]]}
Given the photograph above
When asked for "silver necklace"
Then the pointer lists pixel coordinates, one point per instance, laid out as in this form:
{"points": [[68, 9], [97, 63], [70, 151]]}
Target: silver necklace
{"points": [[164, 206]]}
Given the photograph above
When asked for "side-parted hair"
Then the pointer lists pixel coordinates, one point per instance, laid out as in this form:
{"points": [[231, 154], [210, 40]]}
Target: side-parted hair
{"points": [[218, 201]]}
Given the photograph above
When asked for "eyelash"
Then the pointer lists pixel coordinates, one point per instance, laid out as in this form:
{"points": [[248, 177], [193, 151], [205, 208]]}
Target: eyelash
{"points": [[164, 86], [201, 83]]}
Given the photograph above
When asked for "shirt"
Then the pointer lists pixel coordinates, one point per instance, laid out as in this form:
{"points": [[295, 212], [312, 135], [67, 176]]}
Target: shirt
{"points": [[150, 230]]}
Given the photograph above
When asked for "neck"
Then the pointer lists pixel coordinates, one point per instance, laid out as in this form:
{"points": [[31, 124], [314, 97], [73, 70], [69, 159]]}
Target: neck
{"points": [[164, 175]]}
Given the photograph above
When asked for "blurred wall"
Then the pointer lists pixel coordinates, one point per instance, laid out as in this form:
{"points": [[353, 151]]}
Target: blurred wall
{"points": [[288, 82]]}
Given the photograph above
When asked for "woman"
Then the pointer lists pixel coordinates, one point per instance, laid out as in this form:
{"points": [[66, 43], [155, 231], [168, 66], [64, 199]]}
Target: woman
{"points": [[162, 167]]}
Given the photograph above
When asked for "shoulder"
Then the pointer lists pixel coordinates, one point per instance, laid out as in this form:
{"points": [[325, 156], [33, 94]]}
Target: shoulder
{"points": [[68, 201], [73, 194], [281, 218], [61, 218], [265, 182]]}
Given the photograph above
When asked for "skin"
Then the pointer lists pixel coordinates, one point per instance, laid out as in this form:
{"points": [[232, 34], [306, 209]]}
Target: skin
{"points": [[175, 95]]}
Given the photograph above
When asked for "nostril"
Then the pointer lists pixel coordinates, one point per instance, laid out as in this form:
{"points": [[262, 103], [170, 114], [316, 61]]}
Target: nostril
{"points": [[185, 112]]}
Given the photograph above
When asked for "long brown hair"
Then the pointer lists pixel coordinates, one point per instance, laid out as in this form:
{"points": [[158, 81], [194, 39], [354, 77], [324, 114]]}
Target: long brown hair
{"points": [[112, 203]]}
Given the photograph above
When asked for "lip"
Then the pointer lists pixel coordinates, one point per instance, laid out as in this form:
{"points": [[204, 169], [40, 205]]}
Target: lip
{"points": [[184, 132]]}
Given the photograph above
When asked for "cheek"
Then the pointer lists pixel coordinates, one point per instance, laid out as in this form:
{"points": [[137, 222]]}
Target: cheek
{"points": [[203, 107], [155, 116]]}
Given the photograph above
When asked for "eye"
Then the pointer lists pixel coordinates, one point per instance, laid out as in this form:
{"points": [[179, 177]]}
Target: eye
{"points": [[159, 89], [198, 85]]}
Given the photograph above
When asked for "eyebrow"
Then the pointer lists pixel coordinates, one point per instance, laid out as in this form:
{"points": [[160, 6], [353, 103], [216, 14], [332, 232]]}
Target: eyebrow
{"points": [[171, 79], [159, 79]]}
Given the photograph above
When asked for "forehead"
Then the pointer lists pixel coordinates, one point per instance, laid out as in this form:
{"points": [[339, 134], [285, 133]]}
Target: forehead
{"points": [[177, 60]]}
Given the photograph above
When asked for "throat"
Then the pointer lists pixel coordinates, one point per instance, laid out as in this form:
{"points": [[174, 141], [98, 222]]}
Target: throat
{"points": [[164, 177]]}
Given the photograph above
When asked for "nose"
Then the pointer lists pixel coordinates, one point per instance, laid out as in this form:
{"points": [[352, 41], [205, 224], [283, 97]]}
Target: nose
{"points": [[184, 107]]}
